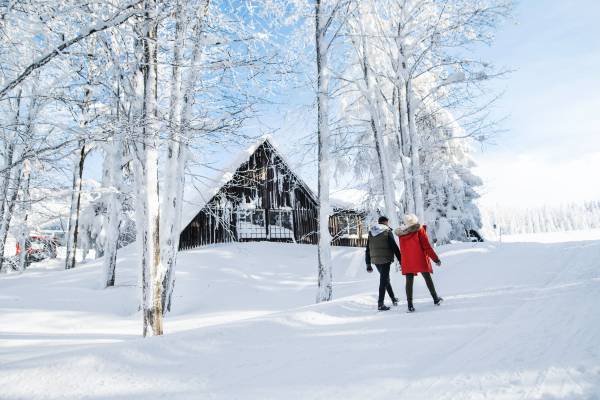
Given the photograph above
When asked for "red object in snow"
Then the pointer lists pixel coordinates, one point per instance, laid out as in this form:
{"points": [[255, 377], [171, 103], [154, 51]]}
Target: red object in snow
{"points": [[39, 247], [416, 252]]}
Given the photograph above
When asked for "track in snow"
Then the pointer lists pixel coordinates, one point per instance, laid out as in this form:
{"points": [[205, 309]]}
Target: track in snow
{"points": [[519, 320]]}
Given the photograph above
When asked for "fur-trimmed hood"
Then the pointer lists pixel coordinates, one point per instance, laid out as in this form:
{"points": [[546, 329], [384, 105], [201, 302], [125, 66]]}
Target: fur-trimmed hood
{"points": [[406, 230]]}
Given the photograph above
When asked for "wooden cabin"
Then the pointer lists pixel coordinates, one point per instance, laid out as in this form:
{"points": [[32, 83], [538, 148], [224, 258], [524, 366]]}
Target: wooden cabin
{"points": [[348, 228], [258, 197]]}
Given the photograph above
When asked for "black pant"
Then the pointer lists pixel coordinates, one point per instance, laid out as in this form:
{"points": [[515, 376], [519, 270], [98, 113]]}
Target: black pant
{"points": [[384, 282], [410, 278]]}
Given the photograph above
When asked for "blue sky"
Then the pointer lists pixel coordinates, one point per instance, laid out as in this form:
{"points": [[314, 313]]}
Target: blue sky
{"points": [[551, 152]]}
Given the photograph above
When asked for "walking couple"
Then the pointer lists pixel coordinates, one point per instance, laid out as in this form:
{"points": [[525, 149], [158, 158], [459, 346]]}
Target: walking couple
{"points": [[414, 245]]}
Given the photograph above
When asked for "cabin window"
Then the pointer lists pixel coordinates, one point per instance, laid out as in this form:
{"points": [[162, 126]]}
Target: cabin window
{"points": [[281, 224], [351, 226], [251, 224], [348, 224], [364, 224]]}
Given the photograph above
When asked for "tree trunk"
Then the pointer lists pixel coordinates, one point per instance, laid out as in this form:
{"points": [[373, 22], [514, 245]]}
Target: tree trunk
{"points": [[408, 194], [10, 206], [113, 212], [182, 99], [403, 129], [24, 230], [9, 147], [74, 215], [174, 175], [146, 183], [387, 182], [5, 194], [324, 292], [9, 151], [22, 242], [417, 178]]}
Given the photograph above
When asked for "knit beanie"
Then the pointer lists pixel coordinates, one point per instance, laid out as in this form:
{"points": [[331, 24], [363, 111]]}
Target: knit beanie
{"points": [[411, 219]]}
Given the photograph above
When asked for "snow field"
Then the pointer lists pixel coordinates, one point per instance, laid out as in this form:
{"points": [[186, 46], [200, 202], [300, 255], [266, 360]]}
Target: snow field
{"points": [[518, 321], [554, 237]]}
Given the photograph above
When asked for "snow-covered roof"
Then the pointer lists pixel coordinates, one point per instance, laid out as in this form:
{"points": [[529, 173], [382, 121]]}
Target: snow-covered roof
{"points": [[357, 200], [350, 199], [192, 207]]}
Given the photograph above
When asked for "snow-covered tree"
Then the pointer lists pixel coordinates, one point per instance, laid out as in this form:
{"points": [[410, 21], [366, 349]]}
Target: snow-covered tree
{"points": [[409, 80], [541, 219], [324, 17]]}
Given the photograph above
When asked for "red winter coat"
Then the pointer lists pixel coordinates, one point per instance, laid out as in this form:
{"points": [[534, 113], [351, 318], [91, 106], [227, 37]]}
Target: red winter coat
{"points": [[415, 249]]}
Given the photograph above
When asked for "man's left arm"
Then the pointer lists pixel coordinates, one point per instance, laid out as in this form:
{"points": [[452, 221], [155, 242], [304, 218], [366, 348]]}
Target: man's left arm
{"points": [[393, 245], [368, 258]]}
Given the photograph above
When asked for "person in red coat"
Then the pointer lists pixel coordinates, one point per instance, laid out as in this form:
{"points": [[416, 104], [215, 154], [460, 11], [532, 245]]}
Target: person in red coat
{"points": [[416, 254]]}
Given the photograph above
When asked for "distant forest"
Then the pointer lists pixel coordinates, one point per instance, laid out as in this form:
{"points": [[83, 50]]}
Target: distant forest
{"points": [[566, 217]]}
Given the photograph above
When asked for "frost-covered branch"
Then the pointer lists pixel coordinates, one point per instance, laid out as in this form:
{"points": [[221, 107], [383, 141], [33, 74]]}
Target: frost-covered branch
{"points": [[115, 19]]}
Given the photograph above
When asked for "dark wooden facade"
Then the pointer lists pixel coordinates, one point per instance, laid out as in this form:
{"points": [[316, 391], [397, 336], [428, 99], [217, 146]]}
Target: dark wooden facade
{"points": [[264, 200]]}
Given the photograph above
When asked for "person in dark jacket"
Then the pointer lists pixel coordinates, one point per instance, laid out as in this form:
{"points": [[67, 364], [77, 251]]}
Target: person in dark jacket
{"points": [[381, 248]]}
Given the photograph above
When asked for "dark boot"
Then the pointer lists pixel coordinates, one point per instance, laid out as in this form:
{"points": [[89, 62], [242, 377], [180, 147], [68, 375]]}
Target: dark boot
{"points": [[381, 306], [395, 301], [410, 306], [437, 300]]}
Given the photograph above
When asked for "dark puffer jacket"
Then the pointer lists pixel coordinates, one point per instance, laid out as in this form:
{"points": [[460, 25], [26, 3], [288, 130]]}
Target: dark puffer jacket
{"points": [[381, 246]]}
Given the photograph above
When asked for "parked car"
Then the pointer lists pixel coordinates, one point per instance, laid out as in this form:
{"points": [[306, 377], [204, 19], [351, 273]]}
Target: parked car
{"points": [[39, 248]]}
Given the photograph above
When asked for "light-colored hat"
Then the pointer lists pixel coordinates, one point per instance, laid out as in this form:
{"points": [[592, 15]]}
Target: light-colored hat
{"points": [[411, 219]]}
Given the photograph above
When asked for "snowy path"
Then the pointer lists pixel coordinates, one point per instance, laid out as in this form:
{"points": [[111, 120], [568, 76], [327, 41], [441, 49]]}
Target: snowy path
{"points": [[519, 321]]}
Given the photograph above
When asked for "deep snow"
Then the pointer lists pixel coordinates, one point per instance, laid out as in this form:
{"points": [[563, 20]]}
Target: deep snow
{"points": [[519, 321]]}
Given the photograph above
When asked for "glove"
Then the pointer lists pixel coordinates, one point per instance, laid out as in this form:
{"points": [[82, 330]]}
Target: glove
{"points": [[369, 268]]}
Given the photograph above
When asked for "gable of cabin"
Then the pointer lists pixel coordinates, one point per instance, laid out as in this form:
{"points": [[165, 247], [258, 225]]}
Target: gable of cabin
{"points": [[264, 200]]}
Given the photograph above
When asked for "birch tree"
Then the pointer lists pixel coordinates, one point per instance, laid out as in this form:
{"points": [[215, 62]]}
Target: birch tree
{"points": [[85, 115], [114, 161], [428, 31], [22, 232], [327, 17], [145, 146], [370, 90], [177, 155], [78, 160], [9, 137], [322, 22]]}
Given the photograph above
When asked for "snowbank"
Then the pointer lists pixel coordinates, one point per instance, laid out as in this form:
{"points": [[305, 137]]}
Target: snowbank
{"points": [[519, 321]]}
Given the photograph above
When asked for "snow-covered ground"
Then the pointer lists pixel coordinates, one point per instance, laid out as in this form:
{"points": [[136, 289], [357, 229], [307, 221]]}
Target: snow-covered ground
{"points": [[555, 237], [519, 321]]}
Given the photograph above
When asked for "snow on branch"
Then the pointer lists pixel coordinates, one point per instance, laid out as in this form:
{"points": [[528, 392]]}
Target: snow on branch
{"points": [[116, 19], [452, 79]]}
